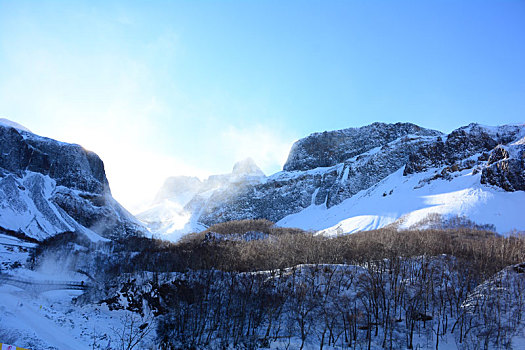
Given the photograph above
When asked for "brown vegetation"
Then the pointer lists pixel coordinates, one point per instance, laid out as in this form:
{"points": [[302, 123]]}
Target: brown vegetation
{"points": [[486, 251]]}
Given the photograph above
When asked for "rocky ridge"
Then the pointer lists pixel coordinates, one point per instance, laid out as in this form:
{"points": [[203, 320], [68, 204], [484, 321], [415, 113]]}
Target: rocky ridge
{"points": [[330, 167]]}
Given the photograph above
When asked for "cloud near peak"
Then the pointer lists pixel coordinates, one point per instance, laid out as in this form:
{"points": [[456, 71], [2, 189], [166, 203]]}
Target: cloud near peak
{"points": [[266, 145]]}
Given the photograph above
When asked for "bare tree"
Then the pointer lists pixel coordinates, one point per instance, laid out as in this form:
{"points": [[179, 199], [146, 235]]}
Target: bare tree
{"points": [[134, 328]]}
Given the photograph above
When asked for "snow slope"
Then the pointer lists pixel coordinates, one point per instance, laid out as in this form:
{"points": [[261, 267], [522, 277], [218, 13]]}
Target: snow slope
{"points": [[411, 200], [26, 205], [37, 311], [169, 220]]}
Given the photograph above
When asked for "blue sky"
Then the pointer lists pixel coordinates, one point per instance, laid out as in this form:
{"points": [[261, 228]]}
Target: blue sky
{"points": [[163, 88]]}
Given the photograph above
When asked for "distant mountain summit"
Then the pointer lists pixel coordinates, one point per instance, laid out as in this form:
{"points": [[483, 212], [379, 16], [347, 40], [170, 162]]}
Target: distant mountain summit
{"points": [[179, 189], [247, 167], [339, 176], [172, 214], [49, 187]]}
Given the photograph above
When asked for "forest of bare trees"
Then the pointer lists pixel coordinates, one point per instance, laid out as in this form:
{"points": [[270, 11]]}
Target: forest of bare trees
{"points": [[293, 289]]}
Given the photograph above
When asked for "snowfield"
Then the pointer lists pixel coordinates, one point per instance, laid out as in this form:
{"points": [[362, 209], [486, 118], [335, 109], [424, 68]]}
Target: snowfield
{"points": [[410, 201]]}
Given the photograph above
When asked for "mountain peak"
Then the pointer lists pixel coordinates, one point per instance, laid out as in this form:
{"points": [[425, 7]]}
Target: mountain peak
{"points": [[247, 167], [179, 189]]}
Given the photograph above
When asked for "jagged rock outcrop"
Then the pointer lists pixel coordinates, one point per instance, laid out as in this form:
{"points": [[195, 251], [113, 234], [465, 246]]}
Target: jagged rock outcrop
{"points": [[506, 168], [247, 168], [49, 187], [323, 168], [68, 164], [459, 145], [490, 148], [289, 192]]}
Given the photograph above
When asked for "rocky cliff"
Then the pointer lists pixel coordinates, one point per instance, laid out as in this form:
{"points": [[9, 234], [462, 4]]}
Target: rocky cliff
{"points": [[333, 147], [49, 187], [324, 168]]}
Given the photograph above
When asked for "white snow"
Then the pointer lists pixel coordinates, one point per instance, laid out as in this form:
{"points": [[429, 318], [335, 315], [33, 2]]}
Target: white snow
{"points": [[402, 197], [37, 317], [12, 124], [50, 321], [168, 220]]}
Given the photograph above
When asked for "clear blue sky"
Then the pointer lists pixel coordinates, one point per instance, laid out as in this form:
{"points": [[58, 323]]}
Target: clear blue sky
{"points": [[188, 87]]}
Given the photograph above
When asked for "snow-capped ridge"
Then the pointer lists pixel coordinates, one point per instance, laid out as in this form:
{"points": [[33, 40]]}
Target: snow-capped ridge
{"points": [[12, 124], [247, 167], [175, 210]]}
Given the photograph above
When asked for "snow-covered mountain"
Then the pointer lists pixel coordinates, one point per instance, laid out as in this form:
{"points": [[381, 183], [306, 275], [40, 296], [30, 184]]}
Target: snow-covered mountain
{"points": [[175, 210], [49, 187], [365, 178]]}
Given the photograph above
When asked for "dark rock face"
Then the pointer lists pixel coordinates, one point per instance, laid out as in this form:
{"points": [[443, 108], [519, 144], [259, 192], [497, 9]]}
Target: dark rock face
{"points": [[49, 187], [501, 166], [506, 168], [68, 164], [333, 147], [289, 192], [271, 200], [460, 144]]}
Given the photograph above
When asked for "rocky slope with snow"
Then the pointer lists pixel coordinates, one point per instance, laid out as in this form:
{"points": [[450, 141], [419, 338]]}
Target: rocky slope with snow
{"points": [[49, 187], [328, 174]]}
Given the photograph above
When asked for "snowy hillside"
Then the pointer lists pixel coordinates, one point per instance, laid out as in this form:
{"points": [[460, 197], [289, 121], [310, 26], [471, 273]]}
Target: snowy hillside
{"points": [[416, 200], [37, 308], [486, 189]]}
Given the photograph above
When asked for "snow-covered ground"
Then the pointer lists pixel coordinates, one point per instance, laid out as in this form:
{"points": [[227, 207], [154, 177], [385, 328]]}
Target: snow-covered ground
{"points": [[49, 320], [413, 199], [13, 252], [39, 314]]}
